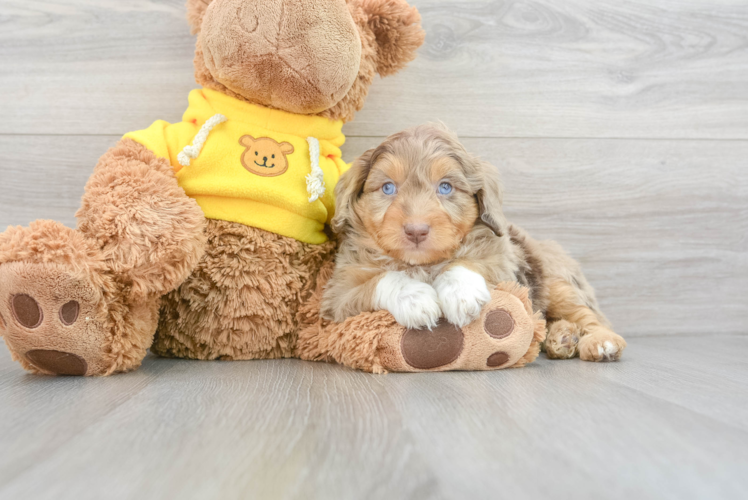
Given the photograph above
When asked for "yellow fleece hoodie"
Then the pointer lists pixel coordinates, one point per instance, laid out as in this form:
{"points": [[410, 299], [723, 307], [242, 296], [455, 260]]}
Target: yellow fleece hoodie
{"points": [[260, 167]]}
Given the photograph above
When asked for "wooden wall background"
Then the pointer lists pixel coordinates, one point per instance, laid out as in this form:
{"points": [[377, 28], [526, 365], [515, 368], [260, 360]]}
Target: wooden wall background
{"points": [[621, 127]]}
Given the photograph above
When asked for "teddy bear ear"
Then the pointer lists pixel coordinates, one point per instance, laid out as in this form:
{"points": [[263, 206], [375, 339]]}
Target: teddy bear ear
{"points": [[397, 29], [195, 12], [286, 148]]}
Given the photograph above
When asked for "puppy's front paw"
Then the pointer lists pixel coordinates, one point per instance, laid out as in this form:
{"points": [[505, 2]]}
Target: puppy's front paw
{"points": [[412, 303], [462, 295], [601, 346]]}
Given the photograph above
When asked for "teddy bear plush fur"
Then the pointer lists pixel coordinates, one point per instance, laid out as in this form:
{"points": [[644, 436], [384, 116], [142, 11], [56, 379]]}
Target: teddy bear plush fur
{"points": [[145, 268]]}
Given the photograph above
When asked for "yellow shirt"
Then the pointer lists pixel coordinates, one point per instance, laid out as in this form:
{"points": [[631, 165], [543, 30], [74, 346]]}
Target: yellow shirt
{"points": [[253, 167]]}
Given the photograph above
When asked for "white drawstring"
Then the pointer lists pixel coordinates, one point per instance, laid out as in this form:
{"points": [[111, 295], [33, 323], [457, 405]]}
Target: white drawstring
{"points": [[193, 151], [315, 181]]}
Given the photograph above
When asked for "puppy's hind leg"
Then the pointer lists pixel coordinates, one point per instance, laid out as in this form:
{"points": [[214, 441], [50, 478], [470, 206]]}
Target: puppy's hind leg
{"points": [[578, 328]]}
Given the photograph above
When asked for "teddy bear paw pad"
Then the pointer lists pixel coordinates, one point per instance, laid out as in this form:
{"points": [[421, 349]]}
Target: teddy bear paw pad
{"points": [[426, 349], [50, 318], [57, 362], [29, 314]]}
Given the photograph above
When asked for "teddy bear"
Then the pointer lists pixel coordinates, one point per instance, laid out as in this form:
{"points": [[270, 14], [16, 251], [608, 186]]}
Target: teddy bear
{"points": [[208, 238]]}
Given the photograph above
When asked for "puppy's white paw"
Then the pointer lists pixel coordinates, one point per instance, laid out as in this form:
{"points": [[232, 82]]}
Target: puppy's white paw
{"points": [[608, 350], [462, 295], [412, 303], [601, 346]]}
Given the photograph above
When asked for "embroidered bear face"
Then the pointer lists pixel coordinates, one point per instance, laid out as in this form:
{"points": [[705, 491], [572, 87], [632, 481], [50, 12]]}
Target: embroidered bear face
{"points": [[265, 156]]}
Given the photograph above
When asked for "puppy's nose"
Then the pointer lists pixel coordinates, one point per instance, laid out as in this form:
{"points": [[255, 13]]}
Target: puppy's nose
{"points": [[265, 158], [417, 232]]}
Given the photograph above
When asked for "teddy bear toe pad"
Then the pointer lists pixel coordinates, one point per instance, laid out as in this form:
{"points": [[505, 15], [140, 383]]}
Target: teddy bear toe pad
{"points": [[26, 311], [497, 359], [498, 323]]}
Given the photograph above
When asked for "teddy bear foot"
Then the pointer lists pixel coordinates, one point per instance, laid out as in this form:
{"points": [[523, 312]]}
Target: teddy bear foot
{"points": [[54, 311], [49, 319], [506, 334]]}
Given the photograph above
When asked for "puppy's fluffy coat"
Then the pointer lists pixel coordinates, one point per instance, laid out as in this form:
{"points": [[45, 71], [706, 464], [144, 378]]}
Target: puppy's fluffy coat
{"points": [[423, 236]]}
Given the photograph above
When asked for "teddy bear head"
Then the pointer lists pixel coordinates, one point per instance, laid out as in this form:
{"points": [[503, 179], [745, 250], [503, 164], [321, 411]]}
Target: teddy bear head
{"points": [[307, 57]]}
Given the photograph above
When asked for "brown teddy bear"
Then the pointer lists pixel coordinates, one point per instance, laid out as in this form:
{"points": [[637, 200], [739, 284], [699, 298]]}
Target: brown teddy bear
{"points": [[207, 238]]}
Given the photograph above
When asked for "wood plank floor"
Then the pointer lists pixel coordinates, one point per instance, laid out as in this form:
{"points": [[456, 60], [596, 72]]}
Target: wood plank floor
{"points": [[670, 421]]}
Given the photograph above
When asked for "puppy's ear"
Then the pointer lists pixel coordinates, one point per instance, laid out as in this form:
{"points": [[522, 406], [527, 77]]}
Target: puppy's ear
{"points": [[490, 197], [195, 12], [397, 29], [347, 191]]}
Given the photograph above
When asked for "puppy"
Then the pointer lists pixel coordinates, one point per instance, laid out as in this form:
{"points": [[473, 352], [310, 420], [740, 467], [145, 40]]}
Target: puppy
{"points": [[423, 236]]}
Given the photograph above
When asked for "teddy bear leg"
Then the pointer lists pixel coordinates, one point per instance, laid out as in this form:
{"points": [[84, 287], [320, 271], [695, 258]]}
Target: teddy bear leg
{"points": [[507, 334], [355, 343], [242, 300], [85, 302], [62, 312]]}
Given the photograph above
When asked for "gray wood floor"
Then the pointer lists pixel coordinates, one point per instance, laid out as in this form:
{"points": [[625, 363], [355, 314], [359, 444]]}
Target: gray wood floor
{"points": [[621, 130], [668, 422]]}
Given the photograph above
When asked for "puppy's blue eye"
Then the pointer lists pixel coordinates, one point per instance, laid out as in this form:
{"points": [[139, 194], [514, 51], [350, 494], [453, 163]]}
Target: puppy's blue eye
{"points": [[445, 188], [389, 188]]}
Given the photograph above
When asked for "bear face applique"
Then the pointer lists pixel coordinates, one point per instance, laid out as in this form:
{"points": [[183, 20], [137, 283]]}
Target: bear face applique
{"points": [[265, 156]]}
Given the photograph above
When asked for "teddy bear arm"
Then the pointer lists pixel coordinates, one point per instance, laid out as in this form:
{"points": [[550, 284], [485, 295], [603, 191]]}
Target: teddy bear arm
{"points": [[507, 334], [355, 343], [150, 232]]}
